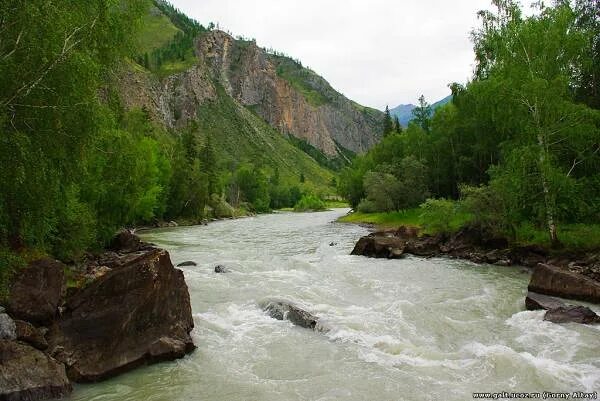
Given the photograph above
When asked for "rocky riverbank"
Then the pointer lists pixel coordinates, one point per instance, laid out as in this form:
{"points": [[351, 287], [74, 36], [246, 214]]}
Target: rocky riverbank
{"points": [[131, 308], [563, 274]]}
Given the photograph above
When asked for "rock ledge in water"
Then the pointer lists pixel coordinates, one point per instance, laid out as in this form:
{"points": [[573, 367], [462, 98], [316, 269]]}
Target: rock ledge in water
{"points": [[572, 314], [535, 301]]}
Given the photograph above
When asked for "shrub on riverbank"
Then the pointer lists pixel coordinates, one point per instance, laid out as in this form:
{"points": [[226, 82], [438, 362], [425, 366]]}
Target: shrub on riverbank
{"points": [[309, 203]]}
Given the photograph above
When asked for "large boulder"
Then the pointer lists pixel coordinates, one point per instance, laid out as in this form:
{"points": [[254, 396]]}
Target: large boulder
{"points": [[28, 374], [139, 313], [572, 314], [36, 291], [281, 310], [552, 280]]}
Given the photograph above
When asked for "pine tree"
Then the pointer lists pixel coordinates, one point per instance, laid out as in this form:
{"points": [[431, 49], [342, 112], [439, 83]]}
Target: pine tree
{"points": [[388, 125], [397, 125]]}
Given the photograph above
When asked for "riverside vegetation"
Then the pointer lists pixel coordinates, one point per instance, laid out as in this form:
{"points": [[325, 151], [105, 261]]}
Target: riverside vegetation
{"points": [[517, 150], [80, 158]]}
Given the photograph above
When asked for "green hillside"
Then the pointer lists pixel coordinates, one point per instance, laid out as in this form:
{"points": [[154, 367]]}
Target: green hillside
{"points": [[239, 135]]}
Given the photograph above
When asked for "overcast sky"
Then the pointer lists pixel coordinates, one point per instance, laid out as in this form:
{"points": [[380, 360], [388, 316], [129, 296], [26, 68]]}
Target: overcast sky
{"points": [[376, 52]]}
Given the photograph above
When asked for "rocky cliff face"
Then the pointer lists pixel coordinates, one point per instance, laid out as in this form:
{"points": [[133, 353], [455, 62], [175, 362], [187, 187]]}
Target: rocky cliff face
{"points": [[291, 98]]}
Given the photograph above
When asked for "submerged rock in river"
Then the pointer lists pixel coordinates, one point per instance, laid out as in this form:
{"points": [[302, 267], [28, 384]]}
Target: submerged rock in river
{"points": [[281, 310], [221, 269], [187, 263]]}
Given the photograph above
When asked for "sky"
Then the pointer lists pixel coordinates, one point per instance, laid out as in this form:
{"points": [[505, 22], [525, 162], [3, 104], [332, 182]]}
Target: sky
{"points": [[376, 52]]}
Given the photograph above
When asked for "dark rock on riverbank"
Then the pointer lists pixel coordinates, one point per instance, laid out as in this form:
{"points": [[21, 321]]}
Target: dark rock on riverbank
{"points": [[29, 374], [139, 313], [557, 281], [572, 314], [468, 243], [130, 307], [282, 310], [36, 291], [564, 275]]}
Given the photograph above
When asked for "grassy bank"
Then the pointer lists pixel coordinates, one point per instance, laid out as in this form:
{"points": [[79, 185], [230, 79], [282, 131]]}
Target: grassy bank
{"points": [[383, 220], [574, 237]]}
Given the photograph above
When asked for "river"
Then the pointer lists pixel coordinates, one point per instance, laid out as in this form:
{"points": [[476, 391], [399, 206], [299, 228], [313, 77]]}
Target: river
{"points": [[410, 329]]}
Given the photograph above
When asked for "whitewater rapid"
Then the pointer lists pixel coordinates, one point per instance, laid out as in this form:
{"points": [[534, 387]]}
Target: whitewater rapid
{"points": [[409, 329]]}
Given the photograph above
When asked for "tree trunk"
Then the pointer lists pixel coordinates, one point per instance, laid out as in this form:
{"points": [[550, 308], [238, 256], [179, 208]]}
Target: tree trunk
{"points": [[548, 201]]}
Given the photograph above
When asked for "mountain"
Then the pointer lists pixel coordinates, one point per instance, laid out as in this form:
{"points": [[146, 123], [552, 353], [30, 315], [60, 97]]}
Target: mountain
{"points": [[257, 105], [404, 111]]}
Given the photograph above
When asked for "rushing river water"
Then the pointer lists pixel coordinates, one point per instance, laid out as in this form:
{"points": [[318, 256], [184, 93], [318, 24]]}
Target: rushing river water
{"points": [[410, 329]]}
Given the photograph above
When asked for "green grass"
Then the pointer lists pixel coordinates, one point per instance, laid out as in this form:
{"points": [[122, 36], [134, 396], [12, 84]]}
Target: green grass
{"points": [[409, 217], [156, 31], [332, 204], [577, 237], [172, 67], [574, 237]]}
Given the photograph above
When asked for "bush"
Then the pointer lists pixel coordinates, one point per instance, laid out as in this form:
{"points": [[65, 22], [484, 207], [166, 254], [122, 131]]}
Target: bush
{"points": [[488, 209], [309, 203], [220, 207], [437, 214], [367, 206]]}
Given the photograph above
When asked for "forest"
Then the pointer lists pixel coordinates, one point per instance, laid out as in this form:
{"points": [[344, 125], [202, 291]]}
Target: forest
{"points": [[516, 152], [76, 164]]}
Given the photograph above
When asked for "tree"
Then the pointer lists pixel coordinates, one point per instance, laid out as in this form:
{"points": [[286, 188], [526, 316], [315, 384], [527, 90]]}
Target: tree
{"points": [[209, 166], [50, 112], [534, 58], [388, 125], [397, 125], [422, 114]]}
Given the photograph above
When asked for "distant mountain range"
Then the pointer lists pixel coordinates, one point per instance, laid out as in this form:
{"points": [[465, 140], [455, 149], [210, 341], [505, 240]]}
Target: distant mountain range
{"points": [[404, 111]]}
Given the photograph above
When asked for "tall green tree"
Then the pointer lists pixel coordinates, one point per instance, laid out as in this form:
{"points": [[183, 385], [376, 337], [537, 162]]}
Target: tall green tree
{"points": [[50, 75], [388, 124], [422, 114]]}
